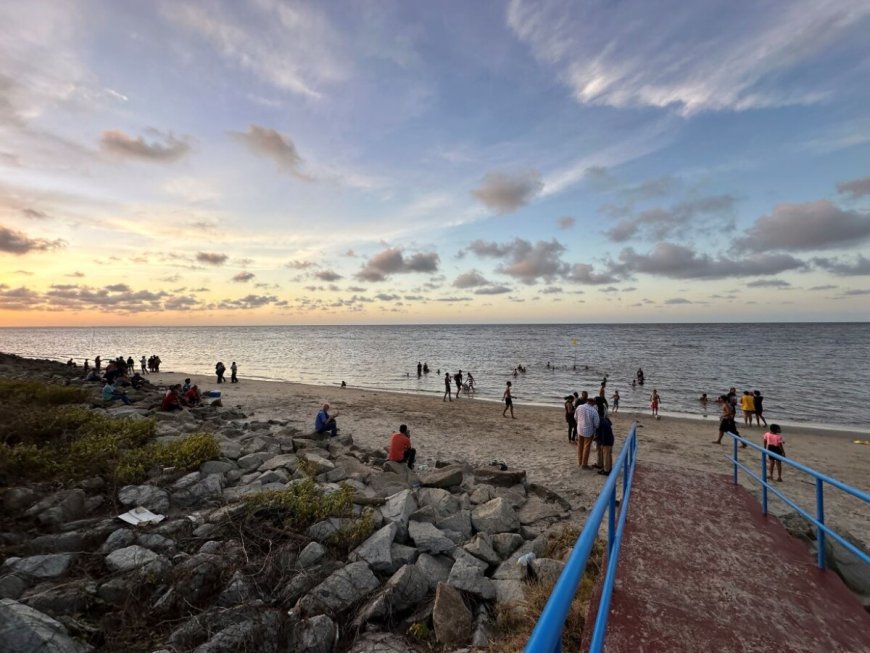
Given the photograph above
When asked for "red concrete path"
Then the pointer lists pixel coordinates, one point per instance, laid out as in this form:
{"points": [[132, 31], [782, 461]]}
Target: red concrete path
{"points": [[702, 570]]}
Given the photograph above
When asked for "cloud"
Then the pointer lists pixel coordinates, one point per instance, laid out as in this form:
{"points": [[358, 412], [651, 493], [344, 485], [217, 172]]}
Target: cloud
{"points": [[566, 223], [860, 267], [585, 273], [18, 243], [248, 302], [856, 188], [768, 283], [525, 262], [679, 262], [493, 290], [384, 297], [761, 56], [504, 192], [661, 223], [298, 265], [291, 46], [392, 261], [243, 277], [827, 286], [807, 226], [328, 275], [34, 214], [677, 300], [551, 290], [276, 146], [164, 148], [212, 258], [649, 189], [857, 291], [470, 279]]}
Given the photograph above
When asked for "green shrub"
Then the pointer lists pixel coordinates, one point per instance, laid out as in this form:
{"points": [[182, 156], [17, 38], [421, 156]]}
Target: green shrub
{"points": [[304, 503], [37, 394]]}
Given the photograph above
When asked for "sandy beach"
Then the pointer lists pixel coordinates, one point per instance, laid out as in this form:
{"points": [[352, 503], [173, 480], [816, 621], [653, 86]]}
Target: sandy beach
{"points": [[475, 431]]}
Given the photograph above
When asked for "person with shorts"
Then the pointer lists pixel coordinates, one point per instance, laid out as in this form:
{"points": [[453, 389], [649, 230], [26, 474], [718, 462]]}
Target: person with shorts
{"points": [[605, 445], [774, 443], [448, 390], [726, 423], [654, 400], [508, 401], [759, 408], [614, 401], [569, 417], [747, 405]]}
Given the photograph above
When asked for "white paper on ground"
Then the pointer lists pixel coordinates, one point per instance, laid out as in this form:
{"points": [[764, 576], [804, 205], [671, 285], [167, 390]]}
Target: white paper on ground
{"points": [[140, 515]]}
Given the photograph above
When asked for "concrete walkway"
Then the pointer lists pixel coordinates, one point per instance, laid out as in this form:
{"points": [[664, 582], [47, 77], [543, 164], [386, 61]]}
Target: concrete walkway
{"points": [[702, 570]]}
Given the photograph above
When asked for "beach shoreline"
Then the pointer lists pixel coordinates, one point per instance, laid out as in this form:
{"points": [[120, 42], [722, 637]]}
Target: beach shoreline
{"points": [[474, 431]]}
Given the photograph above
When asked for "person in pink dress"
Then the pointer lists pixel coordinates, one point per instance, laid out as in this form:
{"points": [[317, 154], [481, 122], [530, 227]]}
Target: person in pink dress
{"points": [[774, 443]]}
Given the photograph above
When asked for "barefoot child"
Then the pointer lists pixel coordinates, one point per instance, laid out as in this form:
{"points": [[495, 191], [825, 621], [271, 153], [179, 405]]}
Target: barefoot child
{"points": [[774, 443], [508, 401]]}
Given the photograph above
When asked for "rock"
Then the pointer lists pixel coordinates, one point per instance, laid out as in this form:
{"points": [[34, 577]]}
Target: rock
{"points": [[376, 550], [459, 522], [239, 590], [198, 577], [854, 571], [323, 465], [318, 634], [41, 567], [216, 467], [435, 568], [536, 509], [482, 628], [286, 460], [547, 570], [156, 542], [260, 633], [230, 449], [18, 498], [509, 591], [187, 480], [336, 475], [253, 460], [341, 590], [232, 494], [495, 516], [506, 543], [407, 587], [481, 547], [322, 531], [59, 543], [429, 538], [306, 580], [442, 501], [451, 617], [147, 496], [470, 578], [311, 555], [69, 598], [380, 643], [402, 555], [798, 527], [443, 478], [510, 570], [25, 630], [426, 513], [481, 494], [493, 476], [11, 586], [397, 509], [59, 508], [461, 554], [129, 558]]}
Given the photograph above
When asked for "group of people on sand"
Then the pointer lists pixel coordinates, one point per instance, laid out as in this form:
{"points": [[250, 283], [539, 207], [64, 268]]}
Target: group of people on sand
{"points": [[179, 395], [463, 383], [588, 419], [220, 369], [752, 405]]}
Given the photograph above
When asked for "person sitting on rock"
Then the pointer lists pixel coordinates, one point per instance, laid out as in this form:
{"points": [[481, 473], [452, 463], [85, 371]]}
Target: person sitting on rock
{"points": [[401, 450], [172, 399], [137, 381], [110, 394], [193, 397], [323, 422]]}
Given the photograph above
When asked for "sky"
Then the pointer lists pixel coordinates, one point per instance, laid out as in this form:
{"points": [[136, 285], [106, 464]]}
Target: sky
{"points": [[279, 162]]}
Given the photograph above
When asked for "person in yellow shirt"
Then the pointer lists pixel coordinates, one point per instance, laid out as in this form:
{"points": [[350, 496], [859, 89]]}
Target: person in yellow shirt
{"points": [[747, 405]]}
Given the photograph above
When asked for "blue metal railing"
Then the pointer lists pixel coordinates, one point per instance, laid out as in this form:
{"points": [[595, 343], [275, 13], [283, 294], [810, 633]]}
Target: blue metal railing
{"points": [[819, 520], [547, 635]]}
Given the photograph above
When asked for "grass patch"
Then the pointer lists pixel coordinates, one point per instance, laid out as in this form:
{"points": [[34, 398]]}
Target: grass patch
{"points": [[303, 504], [514, 623]]}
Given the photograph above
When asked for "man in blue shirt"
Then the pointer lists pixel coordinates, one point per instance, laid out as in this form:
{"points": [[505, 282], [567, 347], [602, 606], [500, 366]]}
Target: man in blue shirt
{"points": [[324, 422]]}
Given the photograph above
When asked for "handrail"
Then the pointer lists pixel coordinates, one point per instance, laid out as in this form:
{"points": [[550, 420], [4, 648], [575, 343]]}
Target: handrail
{"points": [[819, 520], [547, 635]]}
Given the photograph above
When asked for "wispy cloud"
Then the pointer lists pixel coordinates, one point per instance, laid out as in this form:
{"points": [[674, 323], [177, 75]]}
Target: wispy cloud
{"points": [[274, 145], [855, 188], [18, 243], [162, 148]]}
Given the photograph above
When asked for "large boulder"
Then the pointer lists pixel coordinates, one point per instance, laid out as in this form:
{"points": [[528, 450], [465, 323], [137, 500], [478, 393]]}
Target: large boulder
{"points": [[404, 590], [495, 516], [377, 549], [25, 630], [129, 558], [311, 555], [429, 538], [445, 477], [60, 507], [481, 547], [315, 635], [435, 568], [340, 590], [398, 509], [451, 617], [147, 496], [494, 476], [285, 460], [854, 571], [198, 577], [469, 578], [380, 643], [439, 499]]}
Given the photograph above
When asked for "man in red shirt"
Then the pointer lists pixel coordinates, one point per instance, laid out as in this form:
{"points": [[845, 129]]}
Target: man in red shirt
{"points": [[400, 447]]}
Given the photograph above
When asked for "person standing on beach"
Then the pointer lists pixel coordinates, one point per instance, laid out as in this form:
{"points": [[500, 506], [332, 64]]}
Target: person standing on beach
{"points": [[324, 422], [219, 370], [774, 443], [419, 369], [233, 371], [458, 379], [747, 405], [759, 408], [615, 401], [654, 400], [142, 364], [97, 363], [726, 423], [508, 401], [448, 391], [587, 423], [569, 417]]}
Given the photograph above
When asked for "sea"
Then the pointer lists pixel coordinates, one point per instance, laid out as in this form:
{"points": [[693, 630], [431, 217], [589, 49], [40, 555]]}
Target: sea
{"points": [[811, 374]]}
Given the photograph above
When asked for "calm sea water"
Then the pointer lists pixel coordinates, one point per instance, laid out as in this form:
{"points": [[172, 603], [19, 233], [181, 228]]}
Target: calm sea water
{"points": [[817, 373]]}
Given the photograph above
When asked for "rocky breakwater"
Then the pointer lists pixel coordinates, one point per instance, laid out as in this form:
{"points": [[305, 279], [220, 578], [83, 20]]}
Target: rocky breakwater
{"points": [[282, 542]]}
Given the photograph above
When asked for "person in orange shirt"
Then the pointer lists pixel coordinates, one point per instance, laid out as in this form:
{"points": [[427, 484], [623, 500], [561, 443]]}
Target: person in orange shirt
{"points": [[401, 450]]}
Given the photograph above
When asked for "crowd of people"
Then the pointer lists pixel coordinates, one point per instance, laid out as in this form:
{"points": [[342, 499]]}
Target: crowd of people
{"points": [[588, 419], [220, 370]]}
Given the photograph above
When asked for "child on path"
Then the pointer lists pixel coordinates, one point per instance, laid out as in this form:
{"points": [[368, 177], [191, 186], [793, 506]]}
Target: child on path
{"points": [[774, 443], [508, 401]]}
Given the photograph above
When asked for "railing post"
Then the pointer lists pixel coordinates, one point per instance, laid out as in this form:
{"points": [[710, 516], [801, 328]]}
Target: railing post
{"points": [[764, 482], [820, 516], [611, 522], [735, 460]]}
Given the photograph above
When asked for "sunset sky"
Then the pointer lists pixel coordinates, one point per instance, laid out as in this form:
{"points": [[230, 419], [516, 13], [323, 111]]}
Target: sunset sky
{"points": [[272, 162]]}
